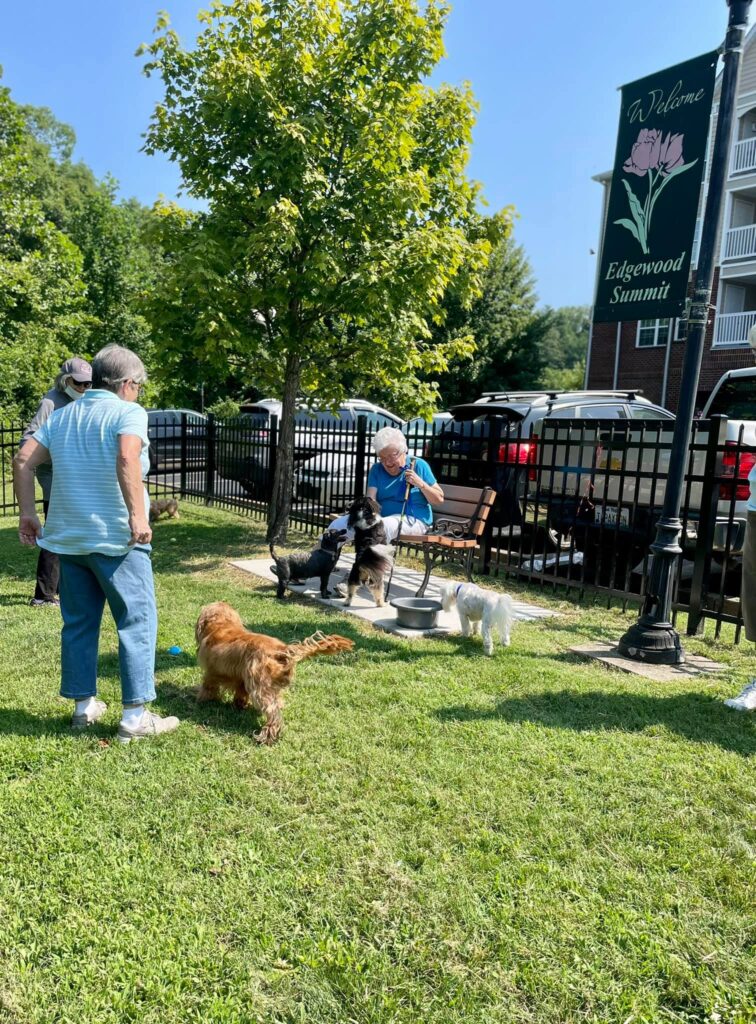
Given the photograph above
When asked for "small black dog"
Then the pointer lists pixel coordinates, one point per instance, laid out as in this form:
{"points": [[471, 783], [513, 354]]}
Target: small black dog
{"points": [[372, 554], [300, 565]]}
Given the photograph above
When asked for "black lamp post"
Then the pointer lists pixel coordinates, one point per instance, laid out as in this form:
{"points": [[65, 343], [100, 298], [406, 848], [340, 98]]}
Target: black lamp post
{"points": [[653, 638]]}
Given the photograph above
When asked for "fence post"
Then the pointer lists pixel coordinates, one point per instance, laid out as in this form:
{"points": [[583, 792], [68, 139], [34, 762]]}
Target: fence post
{"points": [[494, 480], [210, 459], [706, 523], [184, 456], [272, 455], [359, 457]]}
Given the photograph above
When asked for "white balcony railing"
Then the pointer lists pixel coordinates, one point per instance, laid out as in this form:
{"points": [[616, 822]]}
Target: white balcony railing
{"points": [[740, 243], [743, 156], [733, 328]]}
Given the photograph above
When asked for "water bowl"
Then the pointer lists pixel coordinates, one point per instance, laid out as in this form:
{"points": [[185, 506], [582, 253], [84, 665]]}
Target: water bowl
{"points": [[416, 612]]}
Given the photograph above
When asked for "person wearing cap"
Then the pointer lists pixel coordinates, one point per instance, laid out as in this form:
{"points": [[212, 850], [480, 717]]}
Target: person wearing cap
{"points": [[98, 525], [74, 379]]}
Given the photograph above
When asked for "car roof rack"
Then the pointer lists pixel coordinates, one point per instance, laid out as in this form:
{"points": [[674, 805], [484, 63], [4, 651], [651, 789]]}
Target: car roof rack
{"points": [[629, 393]]}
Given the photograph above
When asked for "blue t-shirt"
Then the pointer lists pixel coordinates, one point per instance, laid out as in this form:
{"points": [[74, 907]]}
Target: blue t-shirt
{"points": [[87, 510], [390, 491]]}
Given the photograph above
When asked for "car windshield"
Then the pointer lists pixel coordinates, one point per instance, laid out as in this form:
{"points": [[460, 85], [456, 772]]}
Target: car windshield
{"points": [[736, 398]]}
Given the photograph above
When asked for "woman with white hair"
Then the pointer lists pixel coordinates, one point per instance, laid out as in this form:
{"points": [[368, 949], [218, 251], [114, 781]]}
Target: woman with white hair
{"points": [[387, 482]]}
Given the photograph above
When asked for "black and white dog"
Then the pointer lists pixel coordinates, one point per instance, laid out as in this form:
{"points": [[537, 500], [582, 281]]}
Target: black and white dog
{"points": [[300, 565], [373, 556]]}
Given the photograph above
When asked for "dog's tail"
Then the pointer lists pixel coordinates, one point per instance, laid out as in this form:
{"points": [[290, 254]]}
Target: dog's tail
{"points": [[274, 568], [377, 559], [503, 616], [317, 644]]}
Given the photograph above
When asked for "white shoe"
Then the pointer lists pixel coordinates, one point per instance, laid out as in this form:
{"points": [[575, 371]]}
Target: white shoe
{"points": [[148, 725], [745, 700], [94, 714]]}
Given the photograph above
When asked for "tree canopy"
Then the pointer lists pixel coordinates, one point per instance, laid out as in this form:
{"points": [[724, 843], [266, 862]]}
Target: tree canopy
{"points": [[339, 213], [76, 265]]}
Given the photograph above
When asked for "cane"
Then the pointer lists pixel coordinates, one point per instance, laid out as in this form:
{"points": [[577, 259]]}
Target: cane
{"points": [[399, 531]]}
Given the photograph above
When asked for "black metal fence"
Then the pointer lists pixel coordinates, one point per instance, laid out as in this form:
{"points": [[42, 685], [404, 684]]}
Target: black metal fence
{"points": [[576, 507]]}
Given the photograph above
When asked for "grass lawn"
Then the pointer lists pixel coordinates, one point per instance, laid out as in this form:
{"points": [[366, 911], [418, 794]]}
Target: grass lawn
{"points": [[438, 838]]}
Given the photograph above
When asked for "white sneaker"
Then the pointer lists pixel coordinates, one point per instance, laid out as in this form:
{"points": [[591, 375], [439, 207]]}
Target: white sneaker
{"points": [[745, 700], [148, 725], [96, 711]]}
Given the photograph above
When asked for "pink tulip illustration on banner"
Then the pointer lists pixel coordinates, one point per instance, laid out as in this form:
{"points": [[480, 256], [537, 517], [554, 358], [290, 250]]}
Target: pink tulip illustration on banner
{"points": [[659, 159]]}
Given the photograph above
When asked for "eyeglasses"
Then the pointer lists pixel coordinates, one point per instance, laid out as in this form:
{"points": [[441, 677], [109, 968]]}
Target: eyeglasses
{"points": [[137, 384], [390, 455], [82, 384]]}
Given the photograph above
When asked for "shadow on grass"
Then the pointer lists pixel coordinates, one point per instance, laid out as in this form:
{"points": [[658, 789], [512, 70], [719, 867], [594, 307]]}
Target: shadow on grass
{"points": [[177, 546], [18, 722], [692, 715], [21, 600]]}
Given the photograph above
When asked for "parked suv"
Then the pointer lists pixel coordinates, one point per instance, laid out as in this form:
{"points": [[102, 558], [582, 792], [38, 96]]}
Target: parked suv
{"points": [[244, 442], [628, 471], [495, 441]]}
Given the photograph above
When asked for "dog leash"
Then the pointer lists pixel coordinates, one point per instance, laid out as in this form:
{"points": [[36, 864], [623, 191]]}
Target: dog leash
{"points": [[399, 531]]}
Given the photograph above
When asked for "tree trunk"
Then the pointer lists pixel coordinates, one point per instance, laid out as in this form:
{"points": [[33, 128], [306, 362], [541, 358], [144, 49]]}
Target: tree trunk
{"points": [[283, 479]]}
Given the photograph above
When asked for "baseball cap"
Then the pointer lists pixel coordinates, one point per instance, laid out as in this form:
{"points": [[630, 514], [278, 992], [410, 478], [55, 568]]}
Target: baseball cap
{"points": [[77, 368]]}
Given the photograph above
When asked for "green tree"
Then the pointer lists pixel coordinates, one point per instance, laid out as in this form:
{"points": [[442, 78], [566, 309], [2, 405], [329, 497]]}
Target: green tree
{"points": [[61, 186], [119, 267], [42, 293], [505, 326], [338, 208], [564, 347]]}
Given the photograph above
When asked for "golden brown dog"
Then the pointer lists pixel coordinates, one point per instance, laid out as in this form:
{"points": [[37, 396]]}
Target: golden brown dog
{"points": [[254, 667], [169, 506]]}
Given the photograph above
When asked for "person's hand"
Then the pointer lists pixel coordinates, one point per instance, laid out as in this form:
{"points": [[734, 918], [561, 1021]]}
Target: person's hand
{"points": [[29, 528], [412, 478], [141, 532]]}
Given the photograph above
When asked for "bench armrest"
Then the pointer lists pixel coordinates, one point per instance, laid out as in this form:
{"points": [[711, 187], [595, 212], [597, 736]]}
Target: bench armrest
{"points": [[451, 528]]}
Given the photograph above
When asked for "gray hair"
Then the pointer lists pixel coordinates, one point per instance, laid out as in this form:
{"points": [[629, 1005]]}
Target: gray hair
{"points": [[113, 365], [389, 436]]}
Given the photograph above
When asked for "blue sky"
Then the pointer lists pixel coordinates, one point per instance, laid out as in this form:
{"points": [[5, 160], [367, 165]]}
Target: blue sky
{"points": [[545, 75]]}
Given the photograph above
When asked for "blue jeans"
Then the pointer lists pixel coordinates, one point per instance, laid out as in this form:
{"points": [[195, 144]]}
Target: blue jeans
{"points": [[125, 582]]}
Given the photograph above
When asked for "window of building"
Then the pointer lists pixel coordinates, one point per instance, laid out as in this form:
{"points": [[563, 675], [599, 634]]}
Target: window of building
{"points": [[652, 333]]}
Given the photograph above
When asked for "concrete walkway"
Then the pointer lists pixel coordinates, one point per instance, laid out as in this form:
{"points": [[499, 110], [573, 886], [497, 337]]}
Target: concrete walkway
{"points": [[404, 583]]}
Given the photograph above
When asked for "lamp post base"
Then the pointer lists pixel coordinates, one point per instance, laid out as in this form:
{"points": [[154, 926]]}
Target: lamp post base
{"points": [[649, 640]]}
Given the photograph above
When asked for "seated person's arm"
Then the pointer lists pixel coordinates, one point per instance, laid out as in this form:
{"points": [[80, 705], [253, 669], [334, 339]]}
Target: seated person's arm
{"points": [[432, 492], [372, 492]]}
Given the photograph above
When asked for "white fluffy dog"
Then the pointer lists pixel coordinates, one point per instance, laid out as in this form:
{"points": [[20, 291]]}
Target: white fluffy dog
{"points": [[474, 606]]}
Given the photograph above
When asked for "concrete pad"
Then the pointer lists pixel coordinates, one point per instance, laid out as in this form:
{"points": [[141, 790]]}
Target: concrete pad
{"points": [[404, 583], [694, 664]]}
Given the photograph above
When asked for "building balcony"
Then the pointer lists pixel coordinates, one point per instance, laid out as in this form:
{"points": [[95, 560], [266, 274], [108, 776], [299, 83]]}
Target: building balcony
{"points": [[744, 157], [733, 328], [740, 243]]}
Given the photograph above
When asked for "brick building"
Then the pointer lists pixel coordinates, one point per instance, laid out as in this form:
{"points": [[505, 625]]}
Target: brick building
{"points": [[648, 354]]}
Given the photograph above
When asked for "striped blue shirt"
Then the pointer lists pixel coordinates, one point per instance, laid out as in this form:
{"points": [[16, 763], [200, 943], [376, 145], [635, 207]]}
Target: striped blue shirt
{"points": [[87, 510]]}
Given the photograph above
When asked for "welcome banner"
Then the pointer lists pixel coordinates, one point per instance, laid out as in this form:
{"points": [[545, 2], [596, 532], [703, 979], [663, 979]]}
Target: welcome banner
{"points": [[653, 201]]}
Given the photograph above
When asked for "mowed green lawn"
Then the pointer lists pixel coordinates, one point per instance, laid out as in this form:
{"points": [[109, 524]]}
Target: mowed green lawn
{"points": [[438, 837]]}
